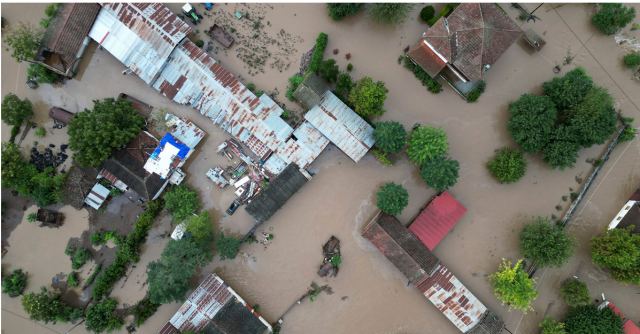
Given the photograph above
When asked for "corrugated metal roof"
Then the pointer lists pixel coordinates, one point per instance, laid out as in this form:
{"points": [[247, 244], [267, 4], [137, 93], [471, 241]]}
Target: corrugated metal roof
{"points": [[342, 126], [97, 196], [140, 35], [187, 132], [437, 219], [453, 299]]}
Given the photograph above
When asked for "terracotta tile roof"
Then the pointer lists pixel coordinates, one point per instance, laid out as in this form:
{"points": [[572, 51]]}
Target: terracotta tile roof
{"points": [[474, 35], [437, 219], [426, 58]]}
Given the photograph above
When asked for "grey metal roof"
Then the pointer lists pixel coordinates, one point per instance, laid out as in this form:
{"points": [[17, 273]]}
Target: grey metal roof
{"points": [[140, 35], [342, 126], [184, 130]]}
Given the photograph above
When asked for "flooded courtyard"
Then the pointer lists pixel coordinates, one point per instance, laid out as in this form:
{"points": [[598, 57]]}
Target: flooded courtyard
{"points": [[369, 295]]}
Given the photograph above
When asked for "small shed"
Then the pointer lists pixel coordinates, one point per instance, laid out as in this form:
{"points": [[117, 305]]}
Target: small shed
{"points": [[220, 35], [97, 196], [437, 219], [60, 115], [49, 218]]}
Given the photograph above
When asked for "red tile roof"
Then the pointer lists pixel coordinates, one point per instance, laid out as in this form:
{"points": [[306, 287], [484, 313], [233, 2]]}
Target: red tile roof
{"points": [[437, 219], [630, 327], [426, 58]]}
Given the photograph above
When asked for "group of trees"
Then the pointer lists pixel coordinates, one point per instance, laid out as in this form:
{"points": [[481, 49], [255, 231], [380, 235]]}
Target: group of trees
{"points": [[572, 113], [619, 251], [48, 306], [428, 149], [387, 13]]}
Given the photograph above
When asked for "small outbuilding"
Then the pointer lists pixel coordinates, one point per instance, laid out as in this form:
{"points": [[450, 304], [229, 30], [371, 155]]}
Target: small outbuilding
{"points": [[60, 115], [97, 196]]}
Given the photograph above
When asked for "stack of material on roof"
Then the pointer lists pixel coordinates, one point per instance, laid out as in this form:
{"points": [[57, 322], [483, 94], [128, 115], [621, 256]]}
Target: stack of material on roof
{"points": [[170, 154], [268, 201], [342, 126], [139, 35], [437, 219], [214, 307]]}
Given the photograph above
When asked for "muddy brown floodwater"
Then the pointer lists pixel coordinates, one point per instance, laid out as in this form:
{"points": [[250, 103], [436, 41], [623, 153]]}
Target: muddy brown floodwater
{"points": [[369, 294]]}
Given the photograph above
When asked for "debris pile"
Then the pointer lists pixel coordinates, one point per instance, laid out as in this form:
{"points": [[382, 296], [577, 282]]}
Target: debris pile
{"points": [[48, 158], [332, 258]]}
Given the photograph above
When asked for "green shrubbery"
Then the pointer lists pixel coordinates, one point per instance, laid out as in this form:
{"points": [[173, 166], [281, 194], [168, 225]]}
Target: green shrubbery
{"points": [[619, 251], [42, 74], [368, 96], [15, 283], [426, 143], [47, 306], [228, 246], [575, 293], [101, 238], [427, 81], [440, 173], [590, 319], [294, 82], [101, 316], [632, 59], [318, 52], [40, 132], [513, 287], [182, 202], [475, 93], [550, 326], [427, 13], [79, 256], [143, 310], [73, 279], [611, 17], [546, 243], [508, 165], [391, 137], [50, 13]]}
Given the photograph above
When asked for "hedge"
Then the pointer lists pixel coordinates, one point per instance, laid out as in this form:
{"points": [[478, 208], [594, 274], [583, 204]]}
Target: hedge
{"points": [[427, 81], [318, 52]]}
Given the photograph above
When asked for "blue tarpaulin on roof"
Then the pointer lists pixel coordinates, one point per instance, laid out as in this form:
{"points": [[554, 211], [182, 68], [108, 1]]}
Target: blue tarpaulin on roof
{"points": [[168, 138]]}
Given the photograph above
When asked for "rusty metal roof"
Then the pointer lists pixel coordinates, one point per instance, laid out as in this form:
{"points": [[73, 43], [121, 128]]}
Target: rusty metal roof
{"points": [[342, 126], [185, 130], [453, 299], [140, 35]]}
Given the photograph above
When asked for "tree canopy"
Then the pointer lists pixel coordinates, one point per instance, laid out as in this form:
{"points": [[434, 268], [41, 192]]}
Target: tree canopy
{"points": [[390, 136], [14, 110], [101, 317], [426, 143], [508, 165], [338, 11], [389, 13], [574, 292], [611, 17], [513, 287], [47, 306], [568, 90], [545, 243], [392, 198], [228, 246], [24, 41], [531, 122], [619, 251], [593, 120], [368, 97], [181, 201], [200, 227], [440, 173], [588, 319], [94, 134], [562, 151]]}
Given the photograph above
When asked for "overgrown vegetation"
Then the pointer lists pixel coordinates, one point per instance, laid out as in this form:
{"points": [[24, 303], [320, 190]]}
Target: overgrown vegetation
{"points": [[15, 111], [575, 293], [79, 256], [143, 310], [432, 85], [444, 12], [181, 201], [338, 11], [40, 132], [73, 279], [508, 165], [42, 74], [93, 135], [551, 326], [15, 283], [47, 306], [427, 13], [101, 316], [389, 13], [294, 82], [513, 287], [619, 251], [318, 52], [546, 243], [101, 238], [612, 17], [392, 198], [588, 319], [50, 13], [228, 246]]}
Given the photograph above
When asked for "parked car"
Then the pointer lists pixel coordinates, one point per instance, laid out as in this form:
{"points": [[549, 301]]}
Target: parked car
{"points": [[233, 207]]}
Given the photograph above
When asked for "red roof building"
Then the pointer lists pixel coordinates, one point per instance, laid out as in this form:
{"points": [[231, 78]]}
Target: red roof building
{"points": [[437, 219], [628, 326]]}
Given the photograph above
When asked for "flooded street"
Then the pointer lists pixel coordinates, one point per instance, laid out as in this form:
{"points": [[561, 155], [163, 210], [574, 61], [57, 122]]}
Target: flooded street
{"points": [[369, 294]]}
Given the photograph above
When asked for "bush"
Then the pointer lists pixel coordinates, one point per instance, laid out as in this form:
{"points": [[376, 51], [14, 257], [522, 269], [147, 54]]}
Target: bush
{"points": [[338, 11], [15, 111], [427, 13], [40, 132], [389, 13], [390, 136], [632, 60], [550, 326], [508, 165], [32, 217], [513, 287], [575, 292], [42, 74], [318, 53], [73, 280], [392, 198], [199, 43], [349, 67], [329, 70], [143, 310], [200, 227], [381, 157], [182, 202], [79, 256], [629, 131], [611, 17], [426, 143], [101, 317], [51, 10], [440, 173], [426, 80], [294, 82], [619, 251], [475, 93], [101, 238], [343, 86], [545, 243], [368, 97], [14, 284], [532, 121], [228, 246], [589, 319], [48, 307]]}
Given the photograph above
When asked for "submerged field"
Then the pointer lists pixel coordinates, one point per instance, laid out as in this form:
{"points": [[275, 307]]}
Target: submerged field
{"points": [[369, 294]]}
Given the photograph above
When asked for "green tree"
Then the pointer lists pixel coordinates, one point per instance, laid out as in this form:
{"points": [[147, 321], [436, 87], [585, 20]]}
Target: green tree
{"points": [[228, 246], [545, 243], [143, 310], [426, 143], [329, 70], [632, 59], [574, 292], [102, 317], [392, 198], [343, 86], [568, 90], [594, 119], [94, 134], [588, 319], [531, 121], [14, 284], [508, 165], [427, 13], [390, 136], [24, 41], [14, 110], [562, 151], [200, 227], [48, 307], [181, 201], [550, 326], [440, 173], [513, 287], [619, 251], [368, 97], [42, 74], [389, 13], [338, 11], [611, 17]]}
